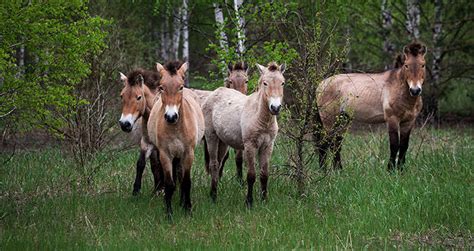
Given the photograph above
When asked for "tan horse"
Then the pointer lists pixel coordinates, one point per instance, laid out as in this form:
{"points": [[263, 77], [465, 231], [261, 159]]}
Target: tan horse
{"points": [[137, 97], [392, 97], [247, 123], [175, 127]]}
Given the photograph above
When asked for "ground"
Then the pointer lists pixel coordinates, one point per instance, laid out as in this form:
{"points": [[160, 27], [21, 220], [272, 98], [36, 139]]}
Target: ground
{"points": [[49, 202]]}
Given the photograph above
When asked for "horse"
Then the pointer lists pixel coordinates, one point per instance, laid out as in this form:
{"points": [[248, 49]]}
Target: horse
{"points": [[137, 96], [392, 97], [237, 79], [175, 127], [246, 123]]}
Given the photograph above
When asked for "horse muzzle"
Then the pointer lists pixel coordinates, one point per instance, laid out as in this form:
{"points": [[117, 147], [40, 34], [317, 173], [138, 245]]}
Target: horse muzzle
{"points": [[415, 91], [171, 118], [126, 126], [275, 109]]}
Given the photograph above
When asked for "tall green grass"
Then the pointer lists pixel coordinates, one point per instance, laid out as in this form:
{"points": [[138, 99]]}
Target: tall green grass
{"points": [[46, 204]]}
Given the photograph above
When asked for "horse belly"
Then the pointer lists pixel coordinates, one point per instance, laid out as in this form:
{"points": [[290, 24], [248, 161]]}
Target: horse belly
{"points": [[227, 126]]}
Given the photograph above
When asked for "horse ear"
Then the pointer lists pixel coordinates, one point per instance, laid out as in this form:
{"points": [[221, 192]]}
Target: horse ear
{"points": [[262, 69], [183, 69], [230, 67], [123, 78], [406, 52], [246, 67], [423, 50], [140, 80], [282, 68], [160, 68], [226, 83]]}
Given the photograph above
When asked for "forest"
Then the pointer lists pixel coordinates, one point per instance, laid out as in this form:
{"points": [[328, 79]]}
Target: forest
{"points": [[68, 167]]}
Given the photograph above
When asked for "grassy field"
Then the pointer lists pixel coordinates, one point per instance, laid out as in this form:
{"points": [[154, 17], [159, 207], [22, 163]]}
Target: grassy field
{"points": [[46, 204]]}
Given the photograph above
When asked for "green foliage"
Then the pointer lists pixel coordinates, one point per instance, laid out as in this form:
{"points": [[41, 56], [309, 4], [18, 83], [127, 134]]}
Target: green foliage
{"points": [[361, 207], [58, 38]]}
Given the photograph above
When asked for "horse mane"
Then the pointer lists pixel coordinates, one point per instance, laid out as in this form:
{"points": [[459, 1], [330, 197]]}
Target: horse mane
{"points": [[173, 66], [415, 48], [272, 66], [240, 66], [150, 78], [398, 61]]}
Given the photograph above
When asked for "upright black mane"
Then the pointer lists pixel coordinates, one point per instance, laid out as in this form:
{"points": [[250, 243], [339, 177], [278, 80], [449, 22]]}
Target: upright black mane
{"points": [[398, 61], [415, 49], [240, 66], [173, 66], [273, 66], [150, 78]]}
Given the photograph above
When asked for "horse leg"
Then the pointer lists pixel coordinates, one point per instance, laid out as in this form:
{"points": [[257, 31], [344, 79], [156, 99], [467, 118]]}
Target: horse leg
{"points": [[323, 151], [249, 157], [221, 168], [265, 154], [206, 156], [405, 130], [141, 163], [213, 149], [157, 171], [393, 126], [167, 165], [337, 152], [238, 164], [186, 180]]}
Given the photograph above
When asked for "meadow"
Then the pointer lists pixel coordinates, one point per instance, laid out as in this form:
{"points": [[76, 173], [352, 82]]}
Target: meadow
{"points": [[47, 203]]}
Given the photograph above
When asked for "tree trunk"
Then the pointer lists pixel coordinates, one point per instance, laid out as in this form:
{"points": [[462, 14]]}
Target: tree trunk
{"points": [[164, 40], [388, 46], [431, 101], [185, 19], [222, 36], [240, 28], [413, 19], [176, 33]]}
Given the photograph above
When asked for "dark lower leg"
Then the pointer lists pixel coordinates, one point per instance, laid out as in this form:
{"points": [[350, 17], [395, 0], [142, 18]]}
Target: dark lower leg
{"points": [[250, 183], [206, 156], [337, 153], [394, 146], [186, 191], [404, 139], [221, 168], [238, 164], [169, 190], [140, 168], [157, 171]]}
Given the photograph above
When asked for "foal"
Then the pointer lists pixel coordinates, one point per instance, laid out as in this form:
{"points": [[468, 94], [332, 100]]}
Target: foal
{"points": [[175, 127], [137, 97], [246, 123], [392, 97]]}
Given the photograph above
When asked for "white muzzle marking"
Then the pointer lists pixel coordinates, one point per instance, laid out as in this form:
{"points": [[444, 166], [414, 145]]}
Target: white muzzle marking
{"points": [[127, 118], [171, 110], [274, 101]]}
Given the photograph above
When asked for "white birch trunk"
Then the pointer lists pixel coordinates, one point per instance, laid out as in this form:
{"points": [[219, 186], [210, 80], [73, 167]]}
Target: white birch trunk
{"points": [[437, 30], [185, 31], [240, 27], [222, 36], [164, 41], [176, 33], [413, 18]]}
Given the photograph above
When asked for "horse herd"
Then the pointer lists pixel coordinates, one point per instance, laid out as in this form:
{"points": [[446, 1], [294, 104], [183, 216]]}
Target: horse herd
{"points": [[175, 119]]}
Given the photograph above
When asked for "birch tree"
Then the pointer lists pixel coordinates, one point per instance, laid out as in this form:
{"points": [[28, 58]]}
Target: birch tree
{"points": [[240, 27], [388, 46], [176, 33], [219, 16], [185, 30], [413, 19]]}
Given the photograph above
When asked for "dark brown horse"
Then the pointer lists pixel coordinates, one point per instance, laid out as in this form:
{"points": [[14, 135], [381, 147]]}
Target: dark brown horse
{"points": [[137, 96], [391, 97]]}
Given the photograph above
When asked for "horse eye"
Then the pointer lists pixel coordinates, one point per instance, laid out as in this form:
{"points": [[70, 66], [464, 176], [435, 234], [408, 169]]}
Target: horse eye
{"points": [[422, 66], [139, 97], [181, 88], [406, 66], [283, 83], [160, 88], [265, 83], [246, 81]]}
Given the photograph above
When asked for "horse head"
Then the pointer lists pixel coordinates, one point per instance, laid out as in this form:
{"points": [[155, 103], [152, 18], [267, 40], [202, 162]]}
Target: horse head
{"points": [[171, 88], [413, 69], [237, 77], [271, 84]]}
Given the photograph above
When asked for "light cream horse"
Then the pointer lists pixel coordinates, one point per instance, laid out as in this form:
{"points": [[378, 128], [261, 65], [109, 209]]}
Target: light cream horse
{"points": [[392, 97], [245, 122], [175, 127]]}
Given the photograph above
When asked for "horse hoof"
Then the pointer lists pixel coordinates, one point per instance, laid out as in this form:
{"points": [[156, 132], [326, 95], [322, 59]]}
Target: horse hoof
{"points": [[248, 203], [136, 192]]}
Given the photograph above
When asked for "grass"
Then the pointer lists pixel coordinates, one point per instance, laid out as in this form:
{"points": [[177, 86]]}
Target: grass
{"points": [[45, 204]]}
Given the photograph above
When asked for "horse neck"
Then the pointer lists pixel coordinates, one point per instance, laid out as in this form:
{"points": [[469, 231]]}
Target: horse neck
{"points": [[264, 117], [149, 99]]}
